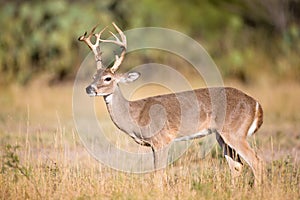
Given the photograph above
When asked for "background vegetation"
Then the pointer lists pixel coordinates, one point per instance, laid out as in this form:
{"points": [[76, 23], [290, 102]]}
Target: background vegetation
{"points": [[255, 44], [242, 36]]}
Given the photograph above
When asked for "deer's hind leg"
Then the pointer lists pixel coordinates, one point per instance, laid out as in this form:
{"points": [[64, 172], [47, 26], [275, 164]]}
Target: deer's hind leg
{"points": [[254, 161], [233, 159], [241, 147]]}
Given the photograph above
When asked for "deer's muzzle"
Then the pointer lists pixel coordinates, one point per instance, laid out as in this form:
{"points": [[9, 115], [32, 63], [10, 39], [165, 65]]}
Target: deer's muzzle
{"points": [[90, 90]]}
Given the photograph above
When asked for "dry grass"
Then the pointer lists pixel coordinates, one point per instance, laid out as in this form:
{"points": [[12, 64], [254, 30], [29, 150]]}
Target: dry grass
{"points": [[51, 163]]}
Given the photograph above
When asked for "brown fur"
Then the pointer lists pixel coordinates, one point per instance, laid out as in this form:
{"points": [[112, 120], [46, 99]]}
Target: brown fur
{"points": [[157, 121]]}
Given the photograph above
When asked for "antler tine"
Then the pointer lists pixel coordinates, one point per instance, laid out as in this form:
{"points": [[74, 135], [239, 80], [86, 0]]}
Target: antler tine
{"points": [[87, 39], [117, 41], [122, 35], [94, 47], [122, 43], [98, 36]]}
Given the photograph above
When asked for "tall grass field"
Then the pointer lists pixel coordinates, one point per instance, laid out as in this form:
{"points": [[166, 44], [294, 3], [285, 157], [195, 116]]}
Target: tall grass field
{"points": [[42, 157]]}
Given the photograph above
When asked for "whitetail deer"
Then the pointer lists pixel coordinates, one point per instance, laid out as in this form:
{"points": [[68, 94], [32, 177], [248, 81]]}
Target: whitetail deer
{"points": [[149, 125]]}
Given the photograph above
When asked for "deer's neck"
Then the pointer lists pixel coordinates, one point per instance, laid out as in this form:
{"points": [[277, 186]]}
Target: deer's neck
{"points": [[116, 103], [118, 108]]}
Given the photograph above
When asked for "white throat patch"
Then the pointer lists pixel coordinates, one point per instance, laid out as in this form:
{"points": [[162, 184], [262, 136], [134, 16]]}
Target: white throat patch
{"points": [[108, 98]]}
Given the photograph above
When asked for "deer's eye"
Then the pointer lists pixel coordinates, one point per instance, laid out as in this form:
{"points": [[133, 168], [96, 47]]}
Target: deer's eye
{"points": [[107, 79]]}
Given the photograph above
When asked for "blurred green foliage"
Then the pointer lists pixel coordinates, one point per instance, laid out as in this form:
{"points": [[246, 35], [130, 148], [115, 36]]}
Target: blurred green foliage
{"points": [[242, 36], [42, 36]]}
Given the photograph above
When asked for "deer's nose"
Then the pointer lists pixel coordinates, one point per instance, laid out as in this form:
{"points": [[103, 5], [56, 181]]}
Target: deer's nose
{"points": [[90, 90]]}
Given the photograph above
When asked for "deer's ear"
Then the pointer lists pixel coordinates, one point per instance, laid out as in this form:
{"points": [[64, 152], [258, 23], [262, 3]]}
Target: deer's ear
{"points": [[130, 77]]}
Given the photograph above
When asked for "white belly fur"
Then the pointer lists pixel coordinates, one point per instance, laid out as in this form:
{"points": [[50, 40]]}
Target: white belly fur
{"points": [[194, 136]]}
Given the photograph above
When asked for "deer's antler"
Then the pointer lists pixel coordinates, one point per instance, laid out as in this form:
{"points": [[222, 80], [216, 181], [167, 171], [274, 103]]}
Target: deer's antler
{"points": [[122, 42], [94, 47]]}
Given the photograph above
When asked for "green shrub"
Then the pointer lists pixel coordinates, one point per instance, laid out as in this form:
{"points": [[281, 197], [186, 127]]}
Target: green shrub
{"points": [[42, 36]]}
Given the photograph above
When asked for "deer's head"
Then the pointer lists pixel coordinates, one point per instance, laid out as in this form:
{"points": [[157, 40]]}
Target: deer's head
{"points": [[106, 80]]}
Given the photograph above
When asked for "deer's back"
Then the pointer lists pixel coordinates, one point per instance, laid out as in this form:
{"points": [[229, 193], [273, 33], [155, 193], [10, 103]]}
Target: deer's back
{"points": [[190, 111]]}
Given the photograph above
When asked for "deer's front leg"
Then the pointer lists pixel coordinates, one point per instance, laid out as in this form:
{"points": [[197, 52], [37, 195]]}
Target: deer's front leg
{"points": [[160, 161], [160, 157]]}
